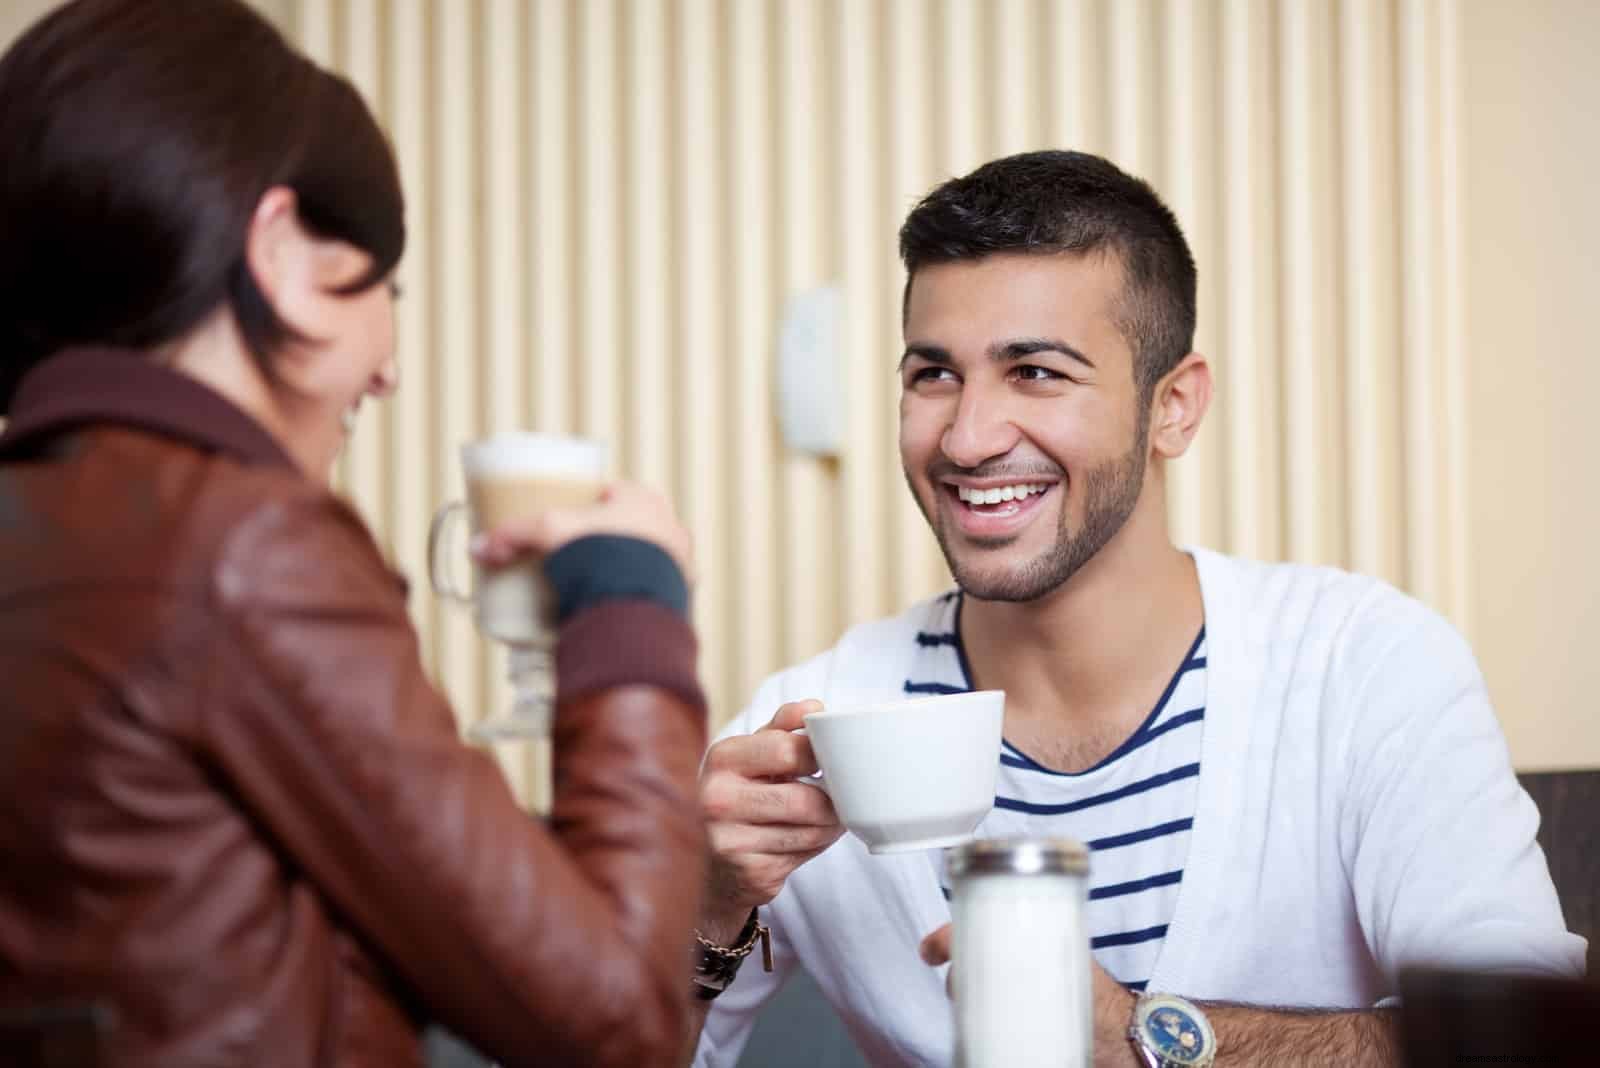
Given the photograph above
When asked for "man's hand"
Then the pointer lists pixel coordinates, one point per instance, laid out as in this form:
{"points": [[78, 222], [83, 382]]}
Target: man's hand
{"points": [[1113, 1005], [761, 823]]}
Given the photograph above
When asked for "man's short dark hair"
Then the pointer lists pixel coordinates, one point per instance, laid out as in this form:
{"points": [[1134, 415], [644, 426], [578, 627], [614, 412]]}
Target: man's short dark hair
{"points": [[1070, 202]]}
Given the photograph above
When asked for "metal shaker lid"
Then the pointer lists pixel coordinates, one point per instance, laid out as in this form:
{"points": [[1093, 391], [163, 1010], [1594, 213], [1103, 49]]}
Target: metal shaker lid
{"points": [[1019, 856]]}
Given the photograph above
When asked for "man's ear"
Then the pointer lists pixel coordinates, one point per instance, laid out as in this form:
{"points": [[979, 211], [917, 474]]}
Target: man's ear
{"points": [[1180, 402]]}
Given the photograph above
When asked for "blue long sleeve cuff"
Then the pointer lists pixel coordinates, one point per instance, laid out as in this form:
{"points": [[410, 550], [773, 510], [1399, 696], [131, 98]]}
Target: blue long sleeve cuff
{"points": [[607, 567]]}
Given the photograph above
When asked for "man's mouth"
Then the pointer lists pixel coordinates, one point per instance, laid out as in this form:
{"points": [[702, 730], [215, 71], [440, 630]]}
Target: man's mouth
{"points": [[995, 510], [993, 499]]}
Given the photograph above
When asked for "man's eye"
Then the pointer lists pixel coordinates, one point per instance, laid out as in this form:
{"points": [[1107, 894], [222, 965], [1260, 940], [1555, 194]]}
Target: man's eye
{"points": [[932, 374], [1034, 373]]}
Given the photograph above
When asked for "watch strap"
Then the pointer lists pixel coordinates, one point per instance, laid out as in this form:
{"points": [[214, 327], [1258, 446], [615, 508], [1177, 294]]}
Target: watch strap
{"points": [[716, 965]]}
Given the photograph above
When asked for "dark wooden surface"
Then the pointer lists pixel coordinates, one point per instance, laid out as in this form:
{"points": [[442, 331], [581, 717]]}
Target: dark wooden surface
{"points": [[1569, 833]]}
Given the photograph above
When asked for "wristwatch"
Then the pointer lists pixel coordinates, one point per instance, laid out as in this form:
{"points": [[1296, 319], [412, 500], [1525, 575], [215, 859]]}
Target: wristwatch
{"points": [[1170, 1032]]}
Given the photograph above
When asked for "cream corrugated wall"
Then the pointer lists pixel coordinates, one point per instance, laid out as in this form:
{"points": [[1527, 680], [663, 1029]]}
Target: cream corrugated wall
{"points": [[612, 201]]}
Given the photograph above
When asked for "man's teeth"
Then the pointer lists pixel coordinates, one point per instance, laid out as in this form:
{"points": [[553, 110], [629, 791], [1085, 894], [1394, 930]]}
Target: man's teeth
{"points": [[348, 418], [1000, 493]]}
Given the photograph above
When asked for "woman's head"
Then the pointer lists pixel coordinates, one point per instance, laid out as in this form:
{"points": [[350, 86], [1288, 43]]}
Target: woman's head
{"points": [[139, 143]]}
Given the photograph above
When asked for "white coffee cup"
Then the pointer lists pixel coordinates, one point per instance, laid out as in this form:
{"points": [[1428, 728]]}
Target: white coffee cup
{"points": [[912, 773], [510, 476]]}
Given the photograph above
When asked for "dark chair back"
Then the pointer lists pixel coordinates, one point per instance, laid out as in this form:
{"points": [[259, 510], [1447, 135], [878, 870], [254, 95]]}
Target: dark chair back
{"points": [[1569, 833], [1455, 1018]]}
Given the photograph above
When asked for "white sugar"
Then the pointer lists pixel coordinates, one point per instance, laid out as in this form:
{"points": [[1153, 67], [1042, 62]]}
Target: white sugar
{"points": [[1022, 983]]}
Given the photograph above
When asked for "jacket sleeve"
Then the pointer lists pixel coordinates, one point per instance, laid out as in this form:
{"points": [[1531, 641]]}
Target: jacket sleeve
{"points": [[1436, 832], [560, 945]]}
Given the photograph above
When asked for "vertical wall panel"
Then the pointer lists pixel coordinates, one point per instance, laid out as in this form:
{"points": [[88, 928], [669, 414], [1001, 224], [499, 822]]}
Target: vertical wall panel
{"points": [[1329, 380], [1299, 254], [551, 203], [1452, 288], [503, 259], [704, 477], [599, 243], [1314, 461], [408, 448], [963, 89], [909, 45], [1249, 363], [610, 202], [809, 604], [957, 77], [859, 217], [1012, 66], [454, 388], [1071, 54], [1423, 563], [363, 466], [1188, 180], [505, 314], [648, 258], [1370, 281], [754, 619], [314, 29], [1128, 83]]}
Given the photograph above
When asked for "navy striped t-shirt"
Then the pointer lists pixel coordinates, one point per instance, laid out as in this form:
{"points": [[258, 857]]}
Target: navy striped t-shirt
{"points": [[1134, 809]]}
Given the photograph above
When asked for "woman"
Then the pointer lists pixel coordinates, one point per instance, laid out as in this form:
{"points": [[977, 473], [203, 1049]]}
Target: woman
{"points": [[233, 811]]}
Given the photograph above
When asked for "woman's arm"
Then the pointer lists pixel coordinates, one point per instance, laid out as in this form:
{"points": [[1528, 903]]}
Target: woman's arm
{"points": [[566, 944]]}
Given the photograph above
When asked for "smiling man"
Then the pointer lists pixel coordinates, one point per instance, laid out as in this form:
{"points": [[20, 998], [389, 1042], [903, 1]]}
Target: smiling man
{"points": [[1291, 779]]}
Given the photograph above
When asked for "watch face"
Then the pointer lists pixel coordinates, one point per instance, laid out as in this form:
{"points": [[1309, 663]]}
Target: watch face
{"points": [[1175, 1030]]}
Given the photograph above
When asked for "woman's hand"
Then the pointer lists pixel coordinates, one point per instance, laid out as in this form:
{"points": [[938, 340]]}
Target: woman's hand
{"points": [[624, 508]]}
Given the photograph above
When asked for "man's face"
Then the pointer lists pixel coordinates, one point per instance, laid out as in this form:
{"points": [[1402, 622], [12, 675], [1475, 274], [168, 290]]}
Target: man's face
{"points": [[1021, 432]]}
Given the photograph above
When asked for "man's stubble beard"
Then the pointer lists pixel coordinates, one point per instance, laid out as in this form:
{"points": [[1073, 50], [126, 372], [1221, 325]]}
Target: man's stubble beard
{"points": [[1111, 493]]}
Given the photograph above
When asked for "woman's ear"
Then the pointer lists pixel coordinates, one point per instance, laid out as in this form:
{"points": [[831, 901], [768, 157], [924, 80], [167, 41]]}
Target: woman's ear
{"points": [[1180, 402], [281, 256]]}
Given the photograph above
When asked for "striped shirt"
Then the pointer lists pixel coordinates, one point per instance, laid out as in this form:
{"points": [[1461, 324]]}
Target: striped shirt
{"points": [[1134, 809]]}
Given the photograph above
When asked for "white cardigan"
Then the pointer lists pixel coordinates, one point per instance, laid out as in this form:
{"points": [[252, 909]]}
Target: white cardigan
{"points": [[1357, 812]]}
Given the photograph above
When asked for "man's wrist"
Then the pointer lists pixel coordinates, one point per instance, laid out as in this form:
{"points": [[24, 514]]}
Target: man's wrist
{"points": [[718, 964], [723, 924], [1113, 1014]]}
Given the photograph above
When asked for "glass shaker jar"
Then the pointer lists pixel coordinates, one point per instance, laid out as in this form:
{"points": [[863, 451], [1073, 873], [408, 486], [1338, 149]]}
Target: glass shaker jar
{"points": [[1021, 983]]}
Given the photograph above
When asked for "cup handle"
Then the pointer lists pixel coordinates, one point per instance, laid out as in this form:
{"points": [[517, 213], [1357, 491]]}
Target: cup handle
{"points": [[812, 780], [438, 569]]}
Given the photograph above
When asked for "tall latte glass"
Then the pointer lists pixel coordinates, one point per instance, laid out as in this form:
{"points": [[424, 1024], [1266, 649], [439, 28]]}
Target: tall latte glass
{"points": [[514, 476]]}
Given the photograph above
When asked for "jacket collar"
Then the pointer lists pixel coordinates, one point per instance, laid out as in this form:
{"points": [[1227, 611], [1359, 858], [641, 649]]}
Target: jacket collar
{"points": [[82, 386]]}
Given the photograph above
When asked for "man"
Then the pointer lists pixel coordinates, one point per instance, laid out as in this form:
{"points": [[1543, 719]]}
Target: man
{"points": [[1291, 778]]}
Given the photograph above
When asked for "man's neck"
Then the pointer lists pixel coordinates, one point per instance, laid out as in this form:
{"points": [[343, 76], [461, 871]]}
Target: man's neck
{"points": [[1084, 665]]}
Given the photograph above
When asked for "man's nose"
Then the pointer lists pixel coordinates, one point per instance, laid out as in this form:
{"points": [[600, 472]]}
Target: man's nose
{"points": [[981, 430]]}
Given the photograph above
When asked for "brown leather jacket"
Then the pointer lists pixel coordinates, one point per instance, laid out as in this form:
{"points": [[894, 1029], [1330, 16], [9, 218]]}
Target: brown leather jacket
{"points": [[233, 807]]}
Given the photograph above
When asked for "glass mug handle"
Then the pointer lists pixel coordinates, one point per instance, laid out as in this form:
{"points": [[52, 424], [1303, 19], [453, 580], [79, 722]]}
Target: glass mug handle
{"points": [[438, 568]]}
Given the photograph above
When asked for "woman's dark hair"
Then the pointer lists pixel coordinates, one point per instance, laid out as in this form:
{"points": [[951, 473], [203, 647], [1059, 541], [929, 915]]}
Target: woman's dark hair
{"points": [[1052, 202], [136, 139]]}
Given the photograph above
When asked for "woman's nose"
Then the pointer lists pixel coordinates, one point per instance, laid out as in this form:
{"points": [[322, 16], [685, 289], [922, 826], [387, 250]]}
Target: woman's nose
{"points": [[386, 379]]}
